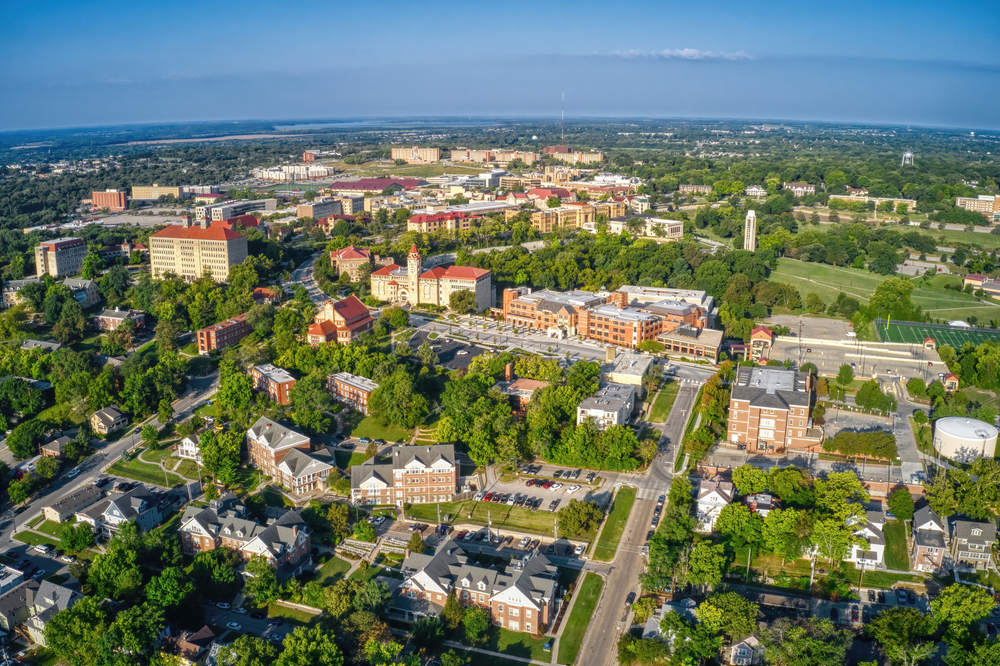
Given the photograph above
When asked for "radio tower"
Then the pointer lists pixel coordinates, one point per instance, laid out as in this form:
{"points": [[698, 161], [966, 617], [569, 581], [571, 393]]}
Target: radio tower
{"points": [[907, 159]]}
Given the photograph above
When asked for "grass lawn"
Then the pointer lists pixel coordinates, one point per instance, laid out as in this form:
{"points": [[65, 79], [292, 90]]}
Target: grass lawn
{"points": [[187, 469], [403, 336], [924, 437], [57, 579], [614, 525], [157, 452], [332, 571], [370, 573], [292, 616], [369, 427], [504, 516], [145, 473], [206, 410], [273, 498], [481, 659], [49, 527], [347, 459], [882, 579], [42, 656], [943, 335], [60, 414], [664, 402], [35, 539], [896, 556], [35, 521], [577, 622], [516, 644]]}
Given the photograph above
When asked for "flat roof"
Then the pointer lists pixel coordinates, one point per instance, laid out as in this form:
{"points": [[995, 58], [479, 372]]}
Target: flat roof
{"points": [[627, 314], [610, 397], [362, 383], [274, 373], [633, 365]]}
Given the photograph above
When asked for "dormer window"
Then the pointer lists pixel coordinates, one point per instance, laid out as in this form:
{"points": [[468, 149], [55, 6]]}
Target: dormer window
{"points": [[239, 533], [482, 586], [976, 531], [227, 530], [465, 583]]}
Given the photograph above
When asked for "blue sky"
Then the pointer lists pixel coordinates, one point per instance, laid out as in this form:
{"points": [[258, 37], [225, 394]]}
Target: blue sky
{"points": [[66, 64]]}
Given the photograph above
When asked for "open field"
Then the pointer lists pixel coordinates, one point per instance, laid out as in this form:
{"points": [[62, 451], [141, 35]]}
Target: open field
{"points": [[829, 281], [578, 620], [944, 335], [355, 426], [664, 402], [348, 459], [614, 525], [144, 473], [896, 556], [504, 516], [332, 571]]}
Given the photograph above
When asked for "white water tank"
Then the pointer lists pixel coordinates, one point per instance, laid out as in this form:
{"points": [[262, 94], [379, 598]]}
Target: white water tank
{"points": [[964, 439]]}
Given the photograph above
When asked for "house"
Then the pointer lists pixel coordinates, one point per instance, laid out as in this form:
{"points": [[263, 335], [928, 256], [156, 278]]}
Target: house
{"points": [[190, 646], [761, 503], [929, 541], [713, 496], [611, 405], [15, 604], [747, 652], [108, 420], [190, 447], [285, 540], [301, 472], [9, 295], [416, 475], [276, 382], [340, 321], [263, 295], [756, 191], [109, 320], [44, 345], [800, 189], [870, 528], [972, 543], [351, 390], [54, 449], [268, 442], [686, 608], [49, 599], [84, 291], [521, 598], [138, 506], [69, 504]]}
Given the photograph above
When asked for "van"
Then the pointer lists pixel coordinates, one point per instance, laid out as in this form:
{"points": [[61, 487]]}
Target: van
{"points": [[44, 550]]}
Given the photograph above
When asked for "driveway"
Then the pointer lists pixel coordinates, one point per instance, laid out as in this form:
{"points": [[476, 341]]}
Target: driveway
{"points": [[452, 354]]}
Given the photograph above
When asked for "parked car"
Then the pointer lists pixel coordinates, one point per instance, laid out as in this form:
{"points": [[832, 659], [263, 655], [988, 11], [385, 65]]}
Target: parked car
{"points": [[256, 616], [43, 549], [660, 500], [558, 474], [834, 614], [379, 520], [576, 474], [235, 626], [630, 599], [469, 536], [881, 597], [240, 610], [871, 596], [551, 549], [38, 575], [572, 489], [479, 496], [520, 500], [901, 596], [101, 481], [911, 597], [460, 535], [530, 483], [489, 497], [656, 521], [553, 504], [578, 550], [548, 484], [72, 474], [511, 499], [223, 605], [649, 534], [854, 614], [657, 510], [556, 486], [537, 505], [523, 542], [866, 615], [365, 440], [533, 544], [569, 550], [591, 477], [11, 553], [278, 621], [68, 559]]}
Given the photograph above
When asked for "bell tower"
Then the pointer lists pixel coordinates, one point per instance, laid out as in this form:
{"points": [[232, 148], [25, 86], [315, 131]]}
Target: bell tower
{"points": [[413, 266]]}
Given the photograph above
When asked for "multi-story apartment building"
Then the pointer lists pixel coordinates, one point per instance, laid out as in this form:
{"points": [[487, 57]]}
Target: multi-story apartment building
{"points": [[351, 390], [60, 257], [350, 259], [929, 541], [191, 251], [769, 410], [226, 210], [285, 540], [340, 321], [108, 420], [11, 288], [611, 405], [627, 368], [268, 442], [154, 192], [415, 475], [695, 189], [223, 334], [110, 199], [417, 155], [303, 472], [292, 172], [428, 223], [756, 191], [413, 285], [84, 291], [800, 189], [275, 381], [351, 205], [319, 208], [972, 544], [109, 320], [693, 343], [522, 598], [987, 204], [541, 195]]}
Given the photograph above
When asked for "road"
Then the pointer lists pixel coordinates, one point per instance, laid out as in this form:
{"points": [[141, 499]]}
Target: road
{"points": [[303, 275]]}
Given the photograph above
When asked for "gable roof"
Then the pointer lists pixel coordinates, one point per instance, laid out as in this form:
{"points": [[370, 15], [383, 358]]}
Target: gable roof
{"points": [[350, 307], [275, 436], [324, 328], [350, 252], [298, 463], [386, 270], [465, 273]]}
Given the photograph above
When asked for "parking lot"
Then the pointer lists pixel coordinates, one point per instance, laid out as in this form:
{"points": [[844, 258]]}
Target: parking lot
{"points": [[247, 623], [532, 487], [452, 354]]}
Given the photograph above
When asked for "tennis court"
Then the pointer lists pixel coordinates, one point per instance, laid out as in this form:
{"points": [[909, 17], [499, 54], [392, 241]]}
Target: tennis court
{"points": [[914, 333]]}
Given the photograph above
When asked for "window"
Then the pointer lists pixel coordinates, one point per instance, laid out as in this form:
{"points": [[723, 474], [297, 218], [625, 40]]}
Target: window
{"points": [[465, 594], [527, 613], [514, 612], [514, 626], [411, 594], [527, 626], [499, 608]]}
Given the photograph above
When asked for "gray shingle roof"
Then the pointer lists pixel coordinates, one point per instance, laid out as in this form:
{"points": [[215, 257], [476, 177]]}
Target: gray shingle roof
{"points": [[963, 530], [276, 436]]}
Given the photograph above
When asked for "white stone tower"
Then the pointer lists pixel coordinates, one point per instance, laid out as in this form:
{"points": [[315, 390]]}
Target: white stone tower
{"points": [[750, 232], [413, 266]]}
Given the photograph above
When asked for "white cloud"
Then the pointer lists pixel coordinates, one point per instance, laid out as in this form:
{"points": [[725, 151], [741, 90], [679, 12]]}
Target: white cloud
{"points": [[683, 54]]}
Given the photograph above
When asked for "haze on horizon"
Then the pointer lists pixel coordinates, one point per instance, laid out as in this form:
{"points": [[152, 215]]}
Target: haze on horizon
{"points": [[72, 64]]}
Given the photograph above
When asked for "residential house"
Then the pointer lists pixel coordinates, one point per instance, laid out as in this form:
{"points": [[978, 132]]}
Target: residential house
{"points": [[929, 541], [54, 449], [138, 506], [713, 496], [522, 598], [109, 320], [268, 442], [108, 420], [69, 504], [870, 528], [189, 448], [800, 189], [351, 390], [611, 405], [285, 540], [84, 291], [276, 382], [44, 345], [49, 599], [686, 608], [972, 543], [301, 472], [263, 295], [189, 646], [747, 652], [756, 191], [417, 474], [762, 503], [14, 605], [9, 296]]}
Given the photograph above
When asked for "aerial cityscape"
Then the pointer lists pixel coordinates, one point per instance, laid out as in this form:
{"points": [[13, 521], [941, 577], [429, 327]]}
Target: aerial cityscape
{"points": [[674, 345]]}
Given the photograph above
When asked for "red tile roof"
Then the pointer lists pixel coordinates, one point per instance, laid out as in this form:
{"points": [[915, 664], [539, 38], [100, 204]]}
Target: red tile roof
{"points": [[414, 250], [350, 307], [386, 270], [213, 232], [350, 252], [761, 329], [465, 272], [324, 328], [546, 192], [435, 273], [928, 339]]}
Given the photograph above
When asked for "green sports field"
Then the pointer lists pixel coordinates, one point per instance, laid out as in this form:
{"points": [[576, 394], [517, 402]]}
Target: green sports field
{"points": [[943, 335]]}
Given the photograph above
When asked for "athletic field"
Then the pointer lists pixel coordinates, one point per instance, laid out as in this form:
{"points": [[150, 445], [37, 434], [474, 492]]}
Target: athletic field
{"points": [[915, 333]]}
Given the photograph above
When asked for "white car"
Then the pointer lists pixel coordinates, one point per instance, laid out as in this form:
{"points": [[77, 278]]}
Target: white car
{"points": [[72, 474], [512, 499], [223, 605], [40, 574], [69, 559], [556, 486], [572, 489], [578, 550], [523, 543], [479, 496], [235, 626], [462, 352], [240, 611]]}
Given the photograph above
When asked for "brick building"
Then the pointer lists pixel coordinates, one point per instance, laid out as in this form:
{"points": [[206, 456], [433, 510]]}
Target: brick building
{"points": [[413, 285], [417, 155], [191, 251], [110, 199], [350, 259], [275, 381], [223, 334], [109, 320], [268, 442], [60, 257], [929, 541], [351, 390], [428, 223], [340, 321], [415, 475], [800, 189], [769, 410]]}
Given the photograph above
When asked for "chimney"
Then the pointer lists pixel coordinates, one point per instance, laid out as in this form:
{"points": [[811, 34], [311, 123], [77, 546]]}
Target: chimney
{"points": [[610, 353], [204, 223], [186, 221], [508, 372]]}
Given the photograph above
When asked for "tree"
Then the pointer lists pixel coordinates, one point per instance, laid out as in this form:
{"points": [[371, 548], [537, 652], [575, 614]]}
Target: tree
{"points": [[248, 650], [149, 434], [578, 516], [427, 633], [553, 202], [20, 490], [261, 318], [453, 612], [47, 468], [72, 634], [365, 531], [785, 532], [416, 544], [708, 563], [959, 606], [337, 515], [396, 402], [813, 642], [901, 504], [898, 631], [115, 284], [310, 398], [426, 354], [749, 480], [262, 580], [839, 489], [846, 375], [730, 614], [310, 646], [452, 658], [76, 537], [235, 394], [379, 653], [397, 317], [477, 622], [115, 574], [372, 597], [174, 592], [165, 411], [463, 301], [22, 441], [133, 638]]}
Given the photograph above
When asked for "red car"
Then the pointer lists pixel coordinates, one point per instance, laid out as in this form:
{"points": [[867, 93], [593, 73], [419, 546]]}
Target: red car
{"points": [[530, 482], [547, 484], [488, 498]]}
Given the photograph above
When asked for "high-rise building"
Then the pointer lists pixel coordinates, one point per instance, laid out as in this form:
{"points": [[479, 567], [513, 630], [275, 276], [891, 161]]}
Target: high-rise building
{"points": [[60, 257], [417, 155], [154, 192], [750, 232], [769, 410], [230, 209], [110, 199], [188, 251], [987, 204]]}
